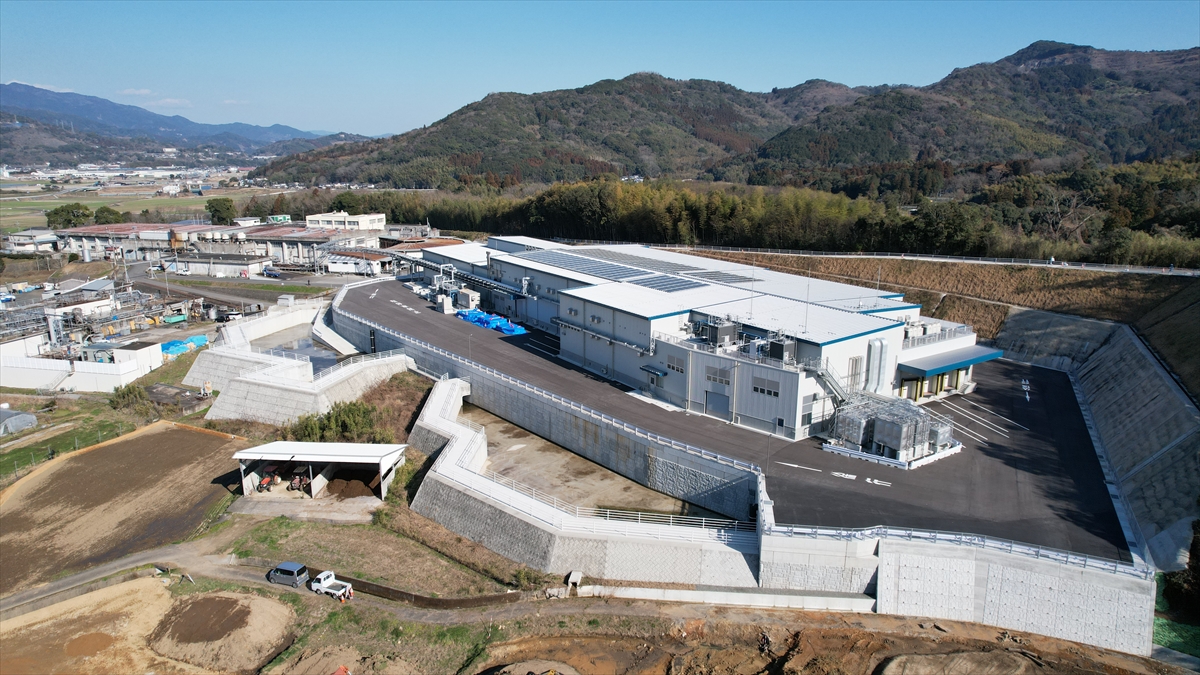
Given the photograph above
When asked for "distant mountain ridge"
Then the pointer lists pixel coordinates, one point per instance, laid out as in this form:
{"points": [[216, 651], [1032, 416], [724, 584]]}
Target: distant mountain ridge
{"points": [[292, 146], [1049, 99], [100, 116]]}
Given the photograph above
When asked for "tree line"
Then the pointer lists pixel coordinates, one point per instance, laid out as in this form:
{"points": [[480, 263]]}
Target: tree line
{"points": [[1142, 213]]}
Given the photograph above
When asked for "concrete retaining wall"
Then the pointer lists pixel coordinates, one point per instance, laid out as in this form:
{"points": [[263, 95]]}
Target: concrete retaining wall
{"points": [[1017, 593], [270, 396], [220, 365], [1150, 432], [276, 318], [847, 566], [1051, 340], [518, 526], [713, 485], [324, 333]]}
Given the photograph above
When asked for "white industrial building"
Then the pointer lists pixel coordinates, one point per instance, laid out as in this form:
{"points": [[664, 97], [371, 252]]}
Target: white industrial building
{"points": [[340, 220], [775, 352]]}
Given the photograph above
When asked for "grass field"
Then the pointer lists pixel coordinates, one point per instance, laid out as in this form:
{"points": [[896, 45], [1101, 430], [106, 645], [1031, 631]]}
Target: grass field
{"points": [[285, 288], [16, 215]]}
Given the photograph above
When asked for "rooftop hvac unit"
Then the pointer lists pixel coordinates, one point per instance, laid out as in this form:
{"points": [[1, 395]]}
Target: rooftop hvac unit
{"points": [[782, 350], [720, 335]]}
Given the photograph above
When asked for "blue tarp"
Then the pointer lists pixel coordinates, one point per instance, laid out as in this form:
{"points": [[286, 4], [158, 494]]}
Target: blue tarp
{"points": [[493, 321], [175, 347], [198, 341]]}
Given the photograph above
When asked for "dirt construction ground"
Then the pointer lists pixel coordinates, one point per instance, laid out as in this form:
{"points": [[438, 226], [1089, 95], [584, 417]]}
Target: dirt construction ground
{"points": [[137, 493], [140, 627]]}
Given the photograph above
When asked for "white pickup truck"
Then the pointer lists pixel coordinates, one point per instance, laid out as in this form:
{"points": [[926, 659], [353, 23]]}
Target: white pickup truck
{"points": [[328, 584]]}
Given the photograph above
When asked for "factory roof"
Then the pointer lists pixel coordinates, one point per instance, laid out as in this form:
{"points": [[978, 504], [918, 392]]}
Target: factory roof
{"points": [[540, 244], [659, 260], [723, 272], [808, 322], [360, 255], [548, 269], [473, 254], [649, 303]]}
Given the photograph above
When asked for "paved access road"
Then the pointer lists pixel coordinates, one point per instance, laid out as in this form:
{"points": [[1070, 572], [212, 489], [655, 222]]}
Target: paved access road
{"points": [[1040, 484]]}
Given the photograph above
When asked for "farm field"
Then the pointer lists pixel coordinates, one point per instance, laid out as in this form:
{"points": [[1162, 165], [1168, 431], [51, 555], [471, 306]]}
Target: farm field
{"points": [[25, 213], [141, 626], [140, 491]]}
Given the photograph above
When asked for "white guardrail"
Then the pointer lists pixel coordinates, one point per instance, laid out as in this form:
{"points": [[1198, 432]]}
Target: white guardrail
{"points": [[355, 360], [963, 539]]}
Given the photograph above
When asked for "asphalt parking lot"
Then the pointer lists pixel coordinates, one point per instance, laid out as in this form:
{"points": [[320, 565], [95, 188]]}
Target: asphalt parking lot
{"points": [[1027, 471]]}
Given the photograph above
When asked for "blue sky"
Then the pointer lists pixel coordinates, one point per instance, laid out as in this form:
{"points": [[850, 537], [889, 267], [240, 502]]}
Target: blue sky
{"points": [[378, 67]]}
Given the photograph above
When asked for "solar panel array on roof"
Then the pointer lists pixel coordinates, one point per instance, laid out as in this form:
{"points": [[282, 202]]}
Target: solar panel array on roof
{"points": [[667, 284], [596, 268], [722, 277], [630, 259]]}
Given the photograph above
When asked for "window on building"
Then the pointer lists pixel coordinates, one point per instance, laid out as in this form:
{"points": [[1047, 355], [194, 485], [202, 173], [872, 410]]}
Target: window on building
{"points": [[676, 363], [766, 387], [718, 375]]}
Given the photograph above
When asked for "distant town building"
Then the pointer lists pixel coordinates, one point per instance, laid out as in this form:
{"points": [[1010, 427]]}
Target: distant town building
{"points": [[340, 220], [32, 241], [247, 222], [279, 220], [412, 232]]}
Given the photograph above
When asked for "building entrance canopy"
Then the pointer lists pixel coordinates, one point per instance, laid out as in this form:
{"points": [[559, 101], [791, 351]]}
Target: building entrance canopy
{"points": [[947, 361]]}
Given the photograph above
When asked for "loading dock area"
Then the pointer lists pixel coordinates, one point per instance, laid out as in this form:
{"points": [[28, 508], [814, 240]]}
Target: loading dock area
{"points": [[319, 466], [1041, 486]]}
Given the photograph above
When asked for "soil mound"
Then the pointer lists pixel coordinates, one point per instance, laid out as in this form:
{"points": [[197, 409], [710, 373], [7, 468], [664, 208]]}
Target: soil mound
{"points": [[349, 484], [224, 632], [206, 619], [89, 644]]}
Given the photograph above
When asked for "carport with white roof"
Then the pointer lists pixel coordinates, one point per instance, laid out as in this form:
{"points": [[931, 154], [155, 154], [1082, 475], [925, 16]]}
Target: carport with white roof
{"points": [[381, 458]]}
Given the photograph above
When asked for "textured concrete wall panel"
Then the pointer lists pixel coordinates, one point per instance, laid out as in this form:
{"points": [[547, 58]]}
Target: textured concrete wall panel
{"points": [[485, 523]]}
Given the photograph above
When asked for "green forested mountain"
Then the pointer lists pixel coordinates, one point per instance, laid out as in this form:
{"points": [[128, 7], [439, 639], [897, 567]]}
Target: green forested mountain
{"points": [[1047, 100], [643, 124]]}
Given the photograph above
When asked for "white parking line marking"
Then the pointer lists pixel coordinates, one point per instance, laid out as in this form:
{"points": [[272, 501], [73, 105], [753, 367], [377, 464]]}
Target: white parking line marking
{"points": [[998, 429], [847, 476], [968, 432], [967, 400], [797, 466]]}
